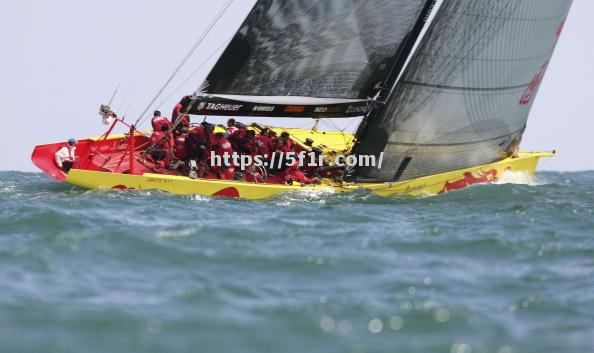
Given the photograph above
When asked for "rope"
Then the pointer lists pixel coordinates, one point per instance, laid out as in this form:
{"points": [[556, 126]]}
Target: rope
{"points": [[124, 100], [332, 125], [185, 60], [115, 93], [192, 74]]}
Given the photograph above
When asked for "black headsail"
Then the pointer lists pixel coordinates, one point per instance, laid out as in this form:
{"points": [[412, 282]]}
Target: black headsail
{"points": [[465, 96], [304, 58]]}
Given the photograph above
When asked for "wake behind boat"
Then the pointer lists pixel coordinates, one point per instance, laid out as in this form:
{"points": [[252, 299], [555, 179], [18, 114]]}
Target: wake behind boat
{"points": [[444, 89]]}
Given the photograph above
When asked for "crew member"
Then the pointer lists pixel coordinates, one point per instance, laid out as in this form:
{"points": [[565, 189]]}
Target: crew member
{"points": [[288, 144], [159, 121], [160, 147], [221, 146], [180, 120], [264, 143], [198, 141], [107, 114], [66, 157], [293, 174], [231, 127], [289, 170], [180, 148], [513, 150], [249, 146], [242, 141]]}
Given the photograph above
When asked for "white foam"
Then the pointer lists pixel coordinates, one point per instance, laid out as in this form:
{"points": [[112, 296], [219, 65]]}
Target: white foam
{"points": [[8, 189], [517, 178], [306, 195], [176, 233], [201, 198]]}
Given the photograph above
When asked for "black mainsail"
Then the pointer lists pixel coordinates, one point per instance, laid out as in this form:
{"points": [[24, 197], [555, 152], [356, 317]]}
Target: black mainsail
{"points": [[465, 96], [304, 58]]}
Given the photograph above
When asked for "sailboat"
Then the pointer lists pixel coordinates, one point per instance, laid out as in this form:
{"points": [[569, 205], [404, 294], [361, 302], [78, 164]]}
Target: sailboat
{"points": [[444, 89]]}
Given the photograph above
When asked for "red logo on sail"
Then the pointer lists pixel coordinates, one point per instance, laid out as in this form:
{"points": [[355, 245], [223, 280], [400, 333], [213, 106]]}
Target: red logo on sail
{"points": [[560, 29], [533, 87]]}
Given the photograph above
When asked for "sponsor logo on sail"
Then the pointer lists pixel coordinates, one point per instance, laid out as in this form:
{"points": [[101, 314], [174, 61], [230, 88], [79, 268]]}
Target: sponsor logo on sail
{"points": [[263, 108], [327, 109], [223, 107], [561, 26], [534, 85], [295, 109], [201, 106], [357, 109]]}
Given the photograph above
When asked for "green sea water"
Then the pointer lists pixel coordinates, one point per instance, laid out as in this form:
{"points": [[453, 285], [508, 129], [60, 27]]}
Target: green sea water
{"points": [[495, 268]]}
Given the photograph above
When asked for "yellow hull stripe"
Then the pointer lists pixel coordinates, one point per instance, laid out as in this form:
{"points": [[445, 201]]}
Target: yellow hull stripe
{"points": [[430, 185]]}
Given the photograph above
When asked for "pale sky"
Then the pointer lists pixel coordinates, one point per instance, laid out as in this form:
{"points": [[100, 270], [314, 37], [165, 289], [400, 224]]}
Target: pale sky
{"points": [[61, 59]]}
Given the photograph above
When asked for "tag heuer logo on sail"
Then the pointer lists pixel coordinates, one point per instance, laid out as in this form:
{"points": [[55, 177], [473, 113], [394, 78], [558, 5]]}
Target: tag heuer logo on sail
{"points": [[263, 108], [201, 106], [223, 107]]}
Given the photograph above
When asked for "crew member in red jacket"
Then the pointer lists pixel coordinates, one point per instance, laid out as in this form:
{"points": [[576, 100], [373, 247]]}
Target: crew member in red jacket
{"points": [[198, 142], [158, 121], [221, 147], [231, 126], [288, 144], [293, 174], [264, 143], [160, 147], [180, 120], [243, 141], [180, 148]]}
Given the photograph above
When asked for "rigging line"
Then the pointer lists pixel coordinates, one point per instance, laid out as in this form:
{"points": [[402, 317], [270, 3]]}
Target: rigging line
{"points": [[188, 108], [335, 126], [114, 94], [121, 105], [185, 60], [349, 125], [194, 73], [303, 126], [347, 141], [195, 98]]}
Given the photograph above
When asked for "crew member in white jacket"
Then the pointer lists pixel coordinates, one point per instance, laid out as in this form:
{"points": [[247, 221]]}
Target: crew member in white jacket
{"points": [[66, 156]]}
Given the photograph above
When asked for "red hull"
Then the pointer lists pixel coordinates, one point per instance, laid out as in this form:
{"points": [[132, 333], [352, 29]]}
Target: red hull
{"points": [[110, 155]]}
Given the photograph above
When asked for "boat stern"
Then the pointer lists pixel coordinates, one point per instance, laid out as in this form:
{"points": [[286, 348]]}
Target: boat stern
{"points": [[43, 157]]}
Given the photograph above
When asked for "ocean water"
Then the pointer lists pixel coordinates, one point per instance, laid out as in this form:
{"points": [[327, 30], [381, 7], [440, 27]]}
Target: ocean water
{"points": [[505, 268]]}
